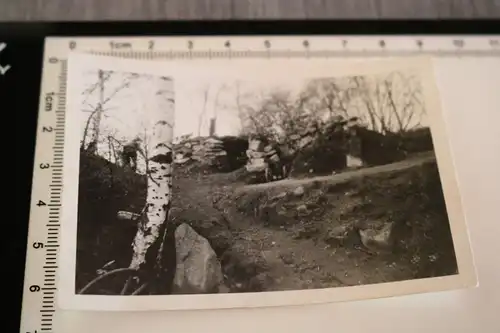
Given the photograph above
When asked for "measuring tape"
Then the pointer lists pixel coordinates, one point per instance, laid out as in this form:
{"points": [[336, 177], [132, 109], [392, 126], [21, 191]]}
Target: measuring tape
{"points": [[39, 295]]}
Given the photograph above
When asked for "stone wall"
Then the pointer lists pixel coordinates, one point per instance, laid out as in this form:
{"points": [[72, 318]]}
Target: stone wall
{"points": [[260, 154], [207, 150]]}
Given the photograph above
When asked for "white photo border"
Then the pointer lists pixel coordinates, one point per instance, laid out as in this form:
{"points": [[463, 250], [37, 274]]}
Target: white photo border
{"points": [[258, 69]]}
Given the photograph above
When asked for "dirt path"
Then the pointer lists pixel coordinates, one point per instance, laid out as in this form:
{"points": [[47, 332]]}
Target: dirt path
{"points": [[344, 176], [286, 261], [299, 263]]}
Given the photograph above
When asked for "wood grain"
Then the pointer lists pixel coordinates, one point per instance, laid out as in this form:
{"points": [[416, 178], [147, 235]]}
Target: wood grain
{"points": [[68, 10]]}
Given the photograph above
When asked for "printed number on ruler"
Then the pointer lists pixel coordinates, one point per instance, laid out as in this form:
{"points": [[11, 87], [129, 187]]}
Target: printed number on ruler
{"points": [[48, 166]]}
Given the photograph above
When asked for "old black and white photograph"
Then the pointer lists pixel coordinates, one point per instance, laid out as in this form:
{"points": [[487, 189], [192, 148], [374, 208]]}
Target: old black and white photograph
{"points": [[236, 185]]}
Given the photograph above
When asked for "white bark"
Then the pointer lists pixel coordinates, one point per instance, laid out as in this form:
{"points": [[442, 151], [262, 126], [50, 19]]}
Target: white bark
{"points": [[159, 175]]}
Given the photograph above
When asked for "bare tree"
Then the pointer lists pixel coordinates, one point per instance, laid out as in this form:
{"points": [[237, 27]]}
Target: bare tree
{"points": [[328, 98], [97, 111], [406, 105], [98, 114], [244, 109], [278, 116], [391, 103], [213, 120], [203, 111]]}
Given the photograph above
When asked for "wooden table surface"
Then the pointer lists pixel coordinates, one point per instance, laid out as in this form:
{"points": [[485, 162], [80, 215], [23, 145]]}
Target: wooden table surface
{"points": [[65, 10]]}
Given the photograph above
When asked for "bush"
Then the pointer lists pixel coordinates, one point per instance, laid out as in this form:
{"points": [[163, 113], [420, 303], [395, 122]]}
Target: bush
{"points": [[105, 189], [417, 141]]}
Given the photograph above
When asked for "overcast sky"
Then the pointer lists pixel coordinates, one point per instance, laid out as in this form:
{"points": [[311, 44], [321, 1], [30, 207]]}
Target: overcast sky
{"points": [[124, 113]]}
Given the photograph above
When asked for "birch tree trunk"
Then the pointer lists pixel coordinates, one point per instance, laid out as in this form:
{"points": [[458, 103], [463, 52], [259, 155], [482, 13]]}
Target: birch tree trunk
{"points": [[149, 239]]}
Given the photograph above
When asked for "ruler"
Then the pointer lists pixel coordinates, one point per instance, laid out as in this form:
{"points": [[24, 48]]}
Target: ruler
{"points": [[39, 309]]}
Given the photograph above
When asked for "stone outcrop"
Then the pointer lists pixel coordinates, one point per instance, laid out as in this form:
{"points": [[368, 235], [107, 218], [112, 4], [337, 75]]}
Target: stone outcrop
{"points": [[207, 150], [303, 138], [381, 239], [260, 155], [198, 269]]}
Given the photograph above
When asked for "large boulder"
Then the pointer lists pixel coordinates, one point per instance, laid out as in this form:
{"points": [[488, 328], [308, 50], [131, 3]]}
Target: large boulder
{"points": [[198, 269]]}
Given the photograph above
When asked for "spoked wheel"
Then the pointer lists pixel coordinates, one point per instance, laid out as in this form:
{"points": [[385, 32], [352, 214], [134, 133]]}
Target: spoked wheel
{"points": [[124, 277]]}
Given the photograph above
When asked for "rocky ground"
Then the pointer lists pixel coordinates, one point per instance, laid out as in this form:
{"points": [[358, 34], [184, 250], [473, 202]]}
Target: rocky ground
{"points": [[365, 226]]}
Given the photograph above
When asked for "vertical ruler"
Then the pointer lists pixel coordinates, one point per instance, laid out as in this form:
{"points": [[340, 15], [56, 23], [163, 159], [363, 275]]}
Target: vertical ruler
{"points": [[39, 295]]}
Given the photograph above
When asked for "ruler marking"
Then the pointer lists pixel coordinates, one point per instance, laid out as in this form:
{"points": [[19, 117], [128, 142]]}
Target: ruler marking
{"points": [[47, 310]]}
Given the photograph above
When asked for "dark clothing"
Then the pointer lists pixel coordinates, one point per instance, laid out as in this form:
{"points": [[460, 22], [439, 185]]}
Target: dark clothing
{"points": [[129, 155]]}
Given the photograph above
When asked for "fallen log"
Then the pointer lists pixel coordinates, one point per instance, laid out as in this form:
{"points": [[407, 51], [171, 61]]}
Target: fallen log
{"points": [[127, 216]]}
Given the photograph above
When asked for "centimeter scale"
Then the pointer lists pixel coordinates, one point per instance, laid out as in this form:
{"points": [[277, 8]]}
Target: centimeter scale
{"points": [[40, 284]]}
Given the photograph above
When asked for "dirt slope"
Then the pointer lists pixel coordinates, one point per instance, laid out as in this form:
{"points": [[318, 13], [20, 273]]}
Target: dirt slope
{"points": [[292, 233], [271, 239]]}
